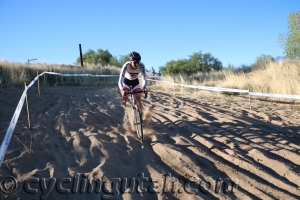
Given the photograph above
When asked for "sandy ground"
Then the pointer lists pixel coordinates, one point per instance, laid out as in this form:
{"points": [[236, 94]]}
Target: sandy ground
{"points": [[211, 148]]}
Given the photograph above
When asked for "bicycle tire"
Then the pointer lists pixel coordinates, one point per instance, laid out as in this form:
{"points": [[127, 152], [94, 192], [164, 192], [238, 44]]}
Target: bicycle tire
{"points": [[138, 122]]}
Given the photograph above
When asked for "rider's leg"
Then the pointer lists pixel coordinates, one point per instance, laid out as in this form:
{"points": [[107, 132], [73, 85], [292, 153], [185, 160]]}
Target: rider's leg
{"points": [[125, 99], [139, 102], [139, 98]]}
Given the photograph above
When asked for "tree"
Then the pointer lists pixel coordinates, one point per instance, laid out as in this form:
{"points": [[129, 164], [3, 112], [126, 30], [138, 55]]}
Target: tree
{"points": [[103, 57], [114, 61], [88, 57], [197, 62], [262, 61], [162, 69], [230, 67], [210, 63], [291, 41], [123, 59]]}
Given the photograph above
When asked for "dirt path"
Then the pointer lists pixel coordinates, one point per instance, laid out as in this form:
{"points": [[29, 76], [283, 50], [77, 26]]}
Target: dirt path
{"points": [[190, 147]]}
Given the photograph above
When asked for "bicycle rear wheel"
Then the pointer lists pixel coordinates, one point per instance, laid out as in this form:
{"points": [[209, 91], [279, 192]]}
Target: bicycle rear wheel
{"points": [[138, 122]]}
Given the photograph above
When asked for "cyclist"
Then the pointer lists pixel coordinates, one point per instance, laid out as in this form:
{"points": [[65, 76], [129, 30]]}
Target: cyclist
{"points": [[153, 72], [158, 74], [129, 77]]}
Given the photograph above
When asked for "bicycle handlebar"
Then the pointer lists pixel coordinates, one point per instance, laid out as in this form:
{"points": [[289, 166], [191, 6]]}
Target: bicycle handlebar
{"points": [[134, 93]]}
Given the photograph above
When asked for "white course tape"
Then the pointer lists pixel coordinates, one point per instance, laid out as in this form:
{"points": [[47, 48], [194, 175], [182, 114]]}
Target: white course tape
{"points": [[286, 96], [154, 77], [105, 75], [12, 126], [222, 89], [205, 87], [75, 74], [54, 73], [32, 82]]}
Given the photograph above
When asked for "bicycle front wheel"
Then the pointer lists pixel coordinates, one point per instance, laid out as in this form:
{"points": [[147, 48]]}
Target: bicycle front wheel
{"points": [[138, 122]]}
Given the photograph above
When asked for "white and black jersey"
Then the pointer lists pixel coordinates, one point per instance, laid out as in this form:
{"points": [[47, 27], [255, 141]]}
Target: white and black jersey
{"points": [[129, 75]]}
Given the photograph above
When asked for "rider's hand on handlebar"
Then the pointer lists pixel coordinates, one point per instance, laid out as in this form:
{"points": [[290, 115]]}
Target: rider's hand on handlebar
{"points": [[123, 93], [146, 92]]}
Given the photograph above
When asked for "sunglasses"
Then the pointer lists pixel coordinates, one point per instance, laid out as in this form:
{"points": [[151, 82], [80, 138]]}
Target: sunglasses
{"points": [[135, 62]]}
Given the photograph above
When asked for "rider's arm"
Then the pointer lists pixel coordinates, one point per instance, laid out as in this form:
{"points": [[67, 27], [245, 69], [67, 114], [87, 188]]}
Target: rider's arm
{"points": [[144, 77], [122, 76]]}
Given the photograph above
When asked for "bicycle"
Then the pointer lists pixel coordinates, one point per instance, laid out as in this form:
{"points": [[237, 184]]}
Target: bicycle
{"points": [[137, 116]]}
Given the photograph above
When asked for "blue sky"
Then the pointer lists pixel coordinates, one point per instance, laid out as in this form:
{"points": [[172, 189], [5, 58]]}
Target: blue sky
{"points": [[234, 31]]}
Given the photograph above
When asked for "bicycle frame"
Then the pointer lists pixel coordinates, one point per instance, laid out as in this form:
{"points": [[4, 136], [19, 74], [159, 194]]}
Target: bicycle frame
{"points": [[132, 97], [138, 122]]}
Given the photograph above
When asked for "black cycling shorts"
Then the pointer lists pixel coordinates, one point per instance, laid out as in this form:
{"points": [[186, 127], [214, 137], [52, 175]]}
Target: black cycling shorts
{"points": [[133, 83]]}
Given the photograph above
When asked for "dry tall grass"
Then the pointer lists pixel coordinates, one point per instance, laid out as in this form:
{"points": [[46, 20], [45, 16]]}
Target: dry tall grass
{"points": [[13, 74], [18, 73], [278, 78]]}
